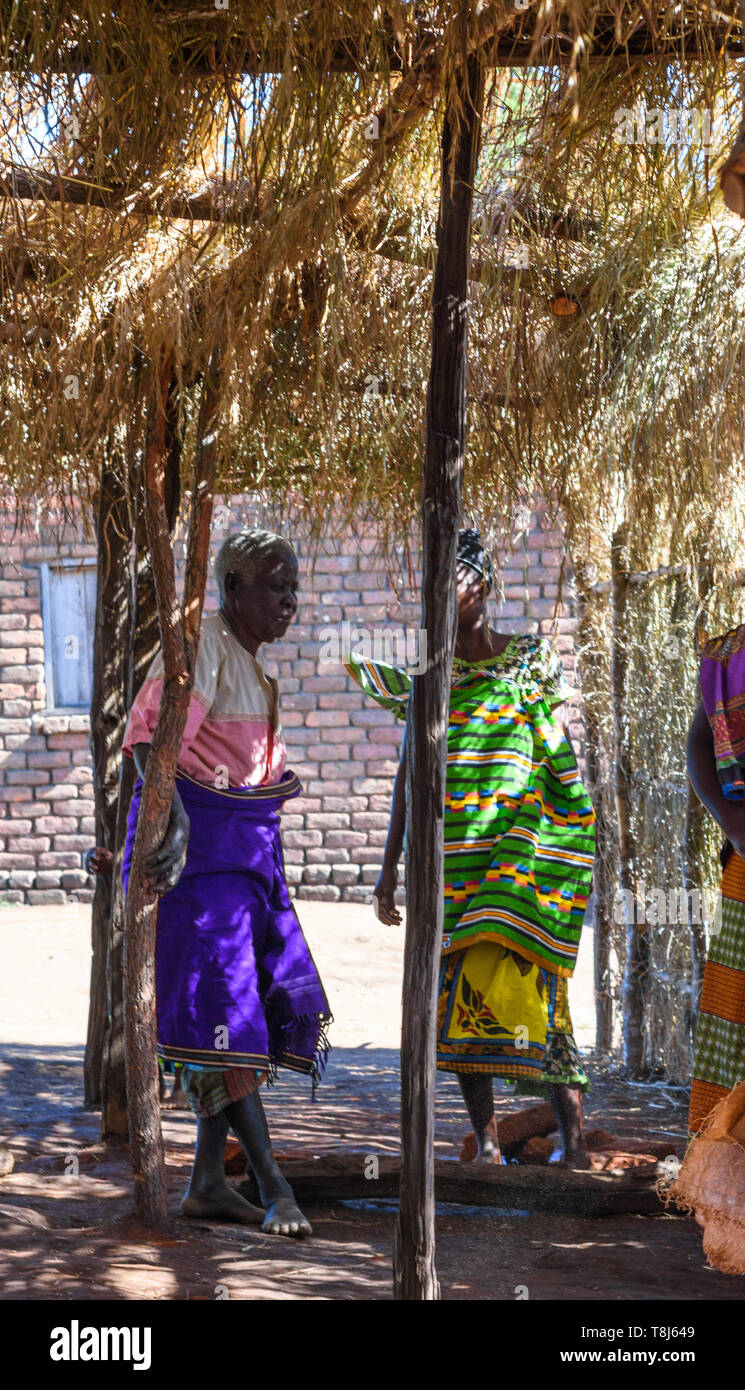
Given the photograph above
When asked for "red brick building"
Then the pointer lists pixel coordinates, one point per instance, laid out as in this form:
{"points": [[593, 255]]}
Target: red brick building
{"points": [[343, 747]]}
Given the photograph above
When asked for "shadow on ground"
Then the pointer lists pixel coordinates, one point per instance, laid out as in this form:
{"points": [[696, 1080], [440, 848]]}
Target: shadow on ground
{"points": [[65, 1210]]}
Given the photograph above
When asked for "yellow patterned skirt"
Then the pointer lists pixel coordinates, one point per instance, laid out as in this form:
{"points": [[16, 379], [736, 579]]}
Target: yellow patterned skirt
{"points": [[500, 1014]]}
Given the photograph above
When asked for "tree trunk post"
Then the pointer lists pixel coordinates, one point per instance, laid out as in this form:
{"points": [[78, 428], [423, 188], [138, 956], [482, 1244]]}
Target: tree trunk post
{"points": [[603, 874], [414, 1275], [108, 720], [179, 633], [636, 967], [141, 644], [693, 850]]}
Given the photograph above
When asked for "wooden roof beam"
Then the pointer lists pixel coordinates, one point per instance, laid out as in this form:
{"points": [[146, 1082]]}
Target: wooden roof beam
{"points": [[209, 206], [231, 203], [511, 49]]}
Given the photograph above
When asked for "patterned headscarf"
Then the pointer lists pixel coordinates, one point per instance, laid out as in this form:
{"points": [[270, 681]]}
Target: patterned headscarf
{"points": [[471, 552]]}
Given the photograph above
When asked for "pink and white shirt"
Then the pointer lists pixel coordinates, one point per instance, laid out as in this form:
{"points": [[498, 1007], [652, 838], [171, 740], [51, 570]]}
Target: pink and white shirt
{"points": [[233, 736]]}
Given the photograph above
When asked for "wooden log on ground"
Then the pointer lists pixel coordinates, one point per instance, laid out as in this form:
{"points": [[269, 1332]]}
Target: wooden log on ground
{"points": [[534, 1123], [562, 1191]]}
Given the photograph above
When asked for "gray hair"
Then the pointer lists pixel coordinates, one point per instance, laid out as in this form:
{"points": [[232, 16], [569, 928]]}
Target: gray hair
{"points": [[244, 552]]}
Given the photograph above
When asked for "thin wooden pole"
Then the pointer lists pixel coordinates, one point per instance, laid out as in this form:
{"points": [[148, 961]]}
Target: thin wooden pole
{"points": [[108, 719], [693, 848], [603, 872], [636, 968], [414, 1273], [141, 644], [179, 633]]}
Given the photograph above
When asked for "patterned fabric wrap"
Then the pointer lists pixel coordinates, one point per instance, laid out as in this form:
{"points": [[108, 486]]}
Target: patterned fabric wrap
{"points": [[719, 1053], [493, 1018], [519, 825], [210, 1089], [236, 984], [723, 690]]}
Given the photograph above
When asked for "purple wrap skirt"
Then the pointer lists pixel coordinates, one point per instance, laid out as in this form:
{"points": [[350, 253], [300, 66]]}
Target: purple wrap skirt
{"points": [[235, 981]]}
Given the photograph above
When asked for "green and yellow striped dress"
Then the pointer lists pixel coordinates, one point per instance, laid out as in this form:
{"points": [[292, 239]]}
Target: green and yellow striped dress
{"points": [[519, 832]]}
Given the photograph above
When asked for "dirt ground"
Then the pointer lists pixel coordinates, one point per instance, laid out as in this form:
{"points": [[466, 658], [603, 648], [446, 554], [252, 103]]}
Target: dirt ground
{"points": [[65, 1209]]}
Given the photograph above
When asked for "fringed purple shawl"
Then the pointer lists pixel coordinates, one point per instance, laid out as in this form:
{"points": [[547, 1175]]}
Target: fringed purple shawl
{"points": [[723, 690]]}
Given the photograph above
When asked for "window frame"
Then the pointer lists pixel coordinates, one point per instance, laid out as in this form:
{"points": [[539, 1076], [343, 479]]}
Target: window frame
{"points": [[45, 569]]}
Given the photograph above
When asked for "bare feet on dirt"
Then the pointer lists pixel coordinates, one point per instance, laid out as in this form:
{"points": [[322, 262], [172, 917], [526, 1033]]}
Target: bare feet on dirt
{"points": [[284, 1218], [221, 1203], [177, 1099], [487, 1155], [572, 1158]]}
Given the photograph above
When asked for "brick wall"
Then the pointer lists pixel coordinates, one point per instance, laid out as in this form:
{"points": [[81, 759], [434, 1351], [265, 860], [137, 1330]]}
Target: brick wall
{"points": [[344, 748]]}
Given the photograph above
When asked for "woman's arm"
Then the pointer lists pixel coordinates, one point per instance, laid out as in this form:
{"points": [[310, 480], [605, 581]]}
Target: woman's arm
{"points": [[702, 772], [163, 868], [385, 887]]}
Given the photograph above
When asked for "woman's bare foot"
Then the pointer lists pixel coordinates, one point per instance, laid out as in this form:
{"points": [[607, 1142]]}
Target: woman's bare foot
{"points": [[477, 1091], [571, 1158], [488, 1152], [221, 1202], [177, 1099], [566, 1100], [248, 1122], [284, 1218]]}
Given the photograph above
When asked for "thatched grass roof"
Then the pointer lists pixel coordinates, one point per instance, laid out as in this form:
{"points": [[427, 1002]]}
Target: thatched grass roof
{"points": [[313, 274]]}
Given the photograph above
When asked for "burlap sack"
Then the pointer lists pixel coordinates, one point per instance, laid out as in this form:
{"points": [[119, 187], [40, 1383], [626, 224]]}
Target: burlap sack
{"points": [[711, 1182]]}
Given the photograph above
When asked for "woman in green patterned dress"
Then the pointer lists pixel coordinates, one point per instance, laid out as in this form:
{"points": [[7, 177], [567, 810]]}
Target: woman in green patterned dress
{"points": [[519, 845]]}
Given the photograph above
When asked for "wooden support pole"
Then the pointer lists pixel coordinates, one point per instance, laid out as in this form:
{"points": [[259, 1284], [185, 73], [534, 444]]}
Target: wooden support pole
{"points": [[414, 1274], [693, 847], [108, 720], [636, 967], [140, 647], [179, 633], [142, 644], [140, 1020], [603, 875]]}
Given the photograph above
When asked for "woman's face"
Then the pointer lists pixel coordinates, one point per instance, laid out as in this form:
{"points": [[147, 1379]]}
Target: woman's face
{"points": [[267, 601], [470, 594]]}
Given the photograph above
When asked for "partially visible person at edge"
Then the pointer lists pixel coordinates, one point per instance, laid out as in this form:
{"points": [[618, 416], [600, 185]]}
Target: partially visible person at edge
{"points": [[238, 992], [519, 846], [716, 768]]}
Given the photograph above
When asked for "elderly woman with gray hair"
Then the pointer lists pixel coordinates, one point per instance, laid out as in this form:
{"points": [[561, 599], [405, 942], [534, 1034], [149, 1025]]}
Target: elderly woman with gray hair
{"points": [[238, 991]]}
